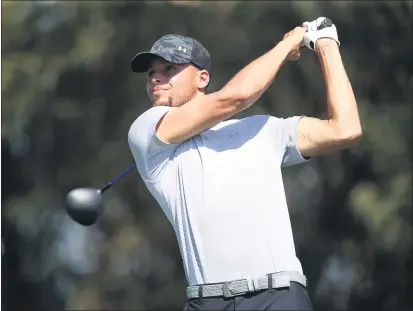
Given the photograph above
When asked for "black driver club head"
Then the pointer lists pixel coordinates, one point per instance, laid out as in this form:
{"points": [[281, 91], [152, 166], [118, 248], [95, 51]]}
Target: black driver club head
{"points": [[84, 205]]}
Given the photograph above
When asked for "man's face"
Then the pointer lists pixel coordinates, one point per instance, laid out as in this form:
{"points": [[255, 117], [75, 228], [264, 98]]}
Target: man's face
{"points": [[171, 84]]}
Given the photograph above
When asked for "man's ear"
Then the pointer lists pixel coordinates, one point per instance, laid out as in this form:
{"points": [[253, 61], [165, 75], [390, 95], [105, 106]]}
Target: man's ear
{"points": [[203, 79]]}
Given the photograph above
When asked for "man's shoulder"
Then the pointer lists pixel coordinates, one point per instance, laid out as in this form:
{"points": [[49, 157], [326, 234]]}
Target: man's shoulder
{"points": [[149, 116], [153, 112]]}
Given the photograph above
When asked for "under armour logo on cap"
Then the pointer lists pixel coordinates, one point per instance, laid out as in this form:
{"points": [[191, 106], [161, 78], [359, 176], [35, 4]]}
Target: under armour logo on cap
{"points": [[182, 49]]}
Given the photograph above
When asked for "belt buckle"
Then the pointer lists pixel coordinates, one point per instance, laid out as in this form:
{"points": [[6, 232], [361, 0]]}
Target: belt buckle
{"points": [[226, 291]]}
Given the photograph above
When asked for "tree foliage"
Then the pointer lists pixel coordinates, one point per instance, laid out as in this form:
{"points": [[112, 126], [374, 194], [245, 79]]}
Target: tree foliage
{"points": [[69, 98]]}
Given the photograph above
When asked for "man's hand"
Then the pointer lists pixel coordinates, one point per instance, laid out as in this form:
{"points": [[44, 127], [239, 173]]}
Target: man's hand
{"points": [[295, 37], [322, 27]]}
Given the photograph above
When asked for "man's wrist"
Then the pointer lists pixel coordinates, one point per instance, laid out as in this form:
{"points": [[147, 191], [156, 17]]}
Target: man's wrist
{"points": [[288, 43], [324, 44]]}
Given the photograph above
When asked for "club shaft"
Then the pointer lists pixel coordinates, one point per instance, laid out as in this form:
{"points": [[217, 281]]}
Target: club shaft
{"points": [[109, 184]]}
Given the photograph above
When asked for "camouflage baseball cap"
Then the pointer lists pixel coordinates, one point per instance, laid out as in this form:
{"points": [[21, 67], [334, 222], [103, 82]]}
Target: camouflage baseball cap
{"points": [[175, 49]]}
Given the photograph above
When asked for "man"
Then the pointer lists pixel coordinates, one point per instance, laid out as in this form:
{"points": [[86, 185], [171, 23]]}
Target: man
{"points": [[219, 182]]}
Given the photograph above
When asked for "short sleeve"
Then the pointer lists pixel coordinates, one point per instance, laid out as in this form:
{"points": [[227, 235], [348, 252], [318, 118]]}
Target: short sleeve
{"points": [[285, 132], [150, 153]]}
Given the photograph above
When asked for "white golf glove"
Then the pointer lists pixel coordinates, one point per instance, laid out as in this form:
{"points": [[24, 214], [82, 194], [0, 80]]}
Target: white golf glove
{"points": [[322, 27]]}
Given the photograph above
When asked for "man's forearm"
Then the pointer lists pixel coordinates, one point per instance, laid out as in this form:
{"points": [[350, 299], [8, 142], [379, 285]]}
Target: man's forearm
{"points": [[341, 102], [254, 79]]}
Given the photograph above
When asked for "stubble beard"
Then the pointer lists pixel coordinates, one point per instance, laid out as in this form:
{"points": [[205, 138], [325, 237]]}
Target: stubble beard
{"points": [[176, 101]]}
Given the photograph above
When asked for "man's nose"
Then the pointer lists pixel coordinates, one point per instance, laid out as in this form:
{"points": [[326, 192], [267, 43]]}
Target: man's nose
{"points": [[157, 78]]}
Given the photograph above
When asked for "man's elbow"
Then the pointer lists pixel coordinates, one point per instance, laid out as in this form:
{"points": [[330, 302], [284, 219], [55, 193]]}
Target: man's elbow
{"points": [[349, 137]]}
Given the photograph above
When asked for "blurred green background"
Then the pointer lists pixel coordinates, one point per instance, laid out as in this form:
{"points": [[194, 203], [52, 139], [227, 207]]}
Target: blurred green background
{"points": [[69, 98]]}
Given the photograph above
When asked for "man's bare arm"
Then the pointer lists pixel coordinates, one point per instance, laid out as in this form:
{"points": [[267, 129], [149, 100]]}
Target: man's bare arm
{"points": [[343, 126], [184, 122]]}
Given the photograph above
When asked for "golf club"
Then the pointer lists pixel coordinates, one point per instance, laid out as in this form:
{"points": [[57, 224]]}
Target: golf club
{"points": [[84, 204]]}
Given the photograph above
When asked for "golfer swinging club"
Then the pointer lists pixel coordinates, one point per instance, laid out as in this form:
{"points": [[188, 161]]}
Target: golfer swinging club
{"points": [[218, 180]]}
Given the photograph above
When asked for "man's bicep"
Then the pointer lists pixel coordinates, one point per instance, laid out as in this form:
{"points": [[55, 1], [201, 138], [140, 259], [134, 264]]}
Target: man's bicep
{"points": [[316, 137]]}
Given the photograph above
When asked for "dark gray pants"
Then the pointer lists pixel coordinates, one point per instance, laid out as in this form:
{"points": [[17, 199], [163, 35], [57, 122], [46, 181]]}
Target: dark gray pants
{"points": [[294, 297]]}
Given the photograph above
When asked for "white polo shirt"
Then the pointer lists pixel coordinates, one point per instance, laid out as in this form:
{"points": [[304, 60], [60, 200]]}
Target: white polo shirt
{"points": [[223, 193]]}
